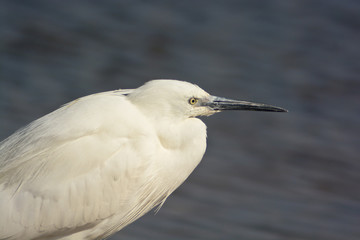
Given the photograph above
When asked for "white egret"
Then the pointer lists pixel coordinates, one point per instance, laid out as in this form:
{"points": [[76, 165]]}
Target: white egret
{"points": [[97, 164]]}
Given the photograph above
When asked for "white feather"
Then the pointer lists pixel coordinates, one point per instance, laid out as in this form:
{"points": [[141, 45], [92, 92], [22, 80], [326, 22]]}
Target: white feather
{"points": [[98, 163]]}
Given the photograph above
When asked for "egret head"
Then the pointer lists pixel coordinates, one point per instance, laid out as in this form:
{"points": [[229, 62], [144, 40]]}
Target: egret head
{"points": [[173, 98]]}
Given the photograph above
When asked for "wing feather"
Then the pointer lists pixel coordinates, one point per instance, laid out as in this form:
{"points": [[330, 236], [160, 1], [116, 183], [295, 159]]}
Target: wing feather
{"points": [[73, 168]]}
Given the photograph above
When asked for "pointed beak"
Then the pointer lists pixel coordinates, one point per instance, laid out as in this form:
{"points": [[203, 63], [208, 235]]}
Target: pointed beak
{"points": [[221, 104]]}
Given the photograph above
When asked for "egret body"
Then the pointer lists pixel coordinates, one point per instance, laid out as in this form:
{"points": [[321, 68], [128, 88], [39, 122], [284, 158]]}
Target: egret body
{"points": [[97, 164]]}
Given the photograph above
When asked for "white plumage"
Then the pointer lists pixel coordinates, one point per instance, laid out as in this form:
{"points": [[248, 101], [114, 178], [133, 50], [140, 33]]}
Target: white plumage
{"points": [[100, 162]]}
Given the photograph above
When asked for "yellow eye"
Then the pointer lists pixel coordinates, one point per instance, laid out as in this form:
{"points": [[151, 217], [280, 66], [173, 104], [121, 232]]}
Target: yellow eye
{"points": [[193, 101]]}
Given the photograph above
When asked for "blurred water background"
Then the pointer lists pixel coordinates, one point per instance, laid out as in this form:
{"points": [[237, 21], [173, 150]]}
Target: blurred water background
{"points": [[265, 176]]}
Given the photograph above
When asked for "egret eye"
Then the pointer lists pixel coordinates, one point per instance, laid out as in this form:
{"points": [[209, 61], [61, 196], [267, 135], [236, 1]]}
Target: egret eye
{"points": [[193, 101]]}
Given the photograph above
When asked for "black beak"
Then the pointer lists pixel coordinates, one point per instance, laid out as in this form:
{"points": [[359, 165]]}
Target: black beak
{"points": [[221, 104]]}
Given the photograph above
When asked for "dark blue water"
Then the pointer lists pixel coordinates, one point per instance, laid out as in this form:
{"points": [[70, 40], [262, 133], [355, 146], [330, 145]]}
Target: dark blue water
{"points": [[265, 175]]}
